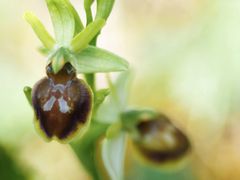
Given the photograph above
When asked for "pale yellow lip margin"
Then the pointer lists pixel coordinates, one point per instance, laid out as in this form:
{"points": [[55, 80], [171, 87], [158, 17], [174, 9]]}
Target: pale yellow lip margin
{"points": [[81, 128]]}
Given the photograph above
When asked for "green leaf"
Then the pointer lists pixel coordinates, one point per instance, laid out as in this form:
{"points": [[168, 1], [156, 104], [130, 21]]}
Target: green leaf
{"points": [[100, 96], [93, 60], [88, 11], [63, 21], [78, 23], [113, 154], [85, 36], [40, 30], [9, 169], [86, 148], [28, 93], [104, 8], [116, 102]]}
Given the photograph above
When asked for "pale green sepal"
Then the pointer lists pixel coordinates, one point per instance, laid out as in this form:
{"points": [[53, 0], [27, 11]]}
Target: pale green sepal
{"points": [[63, 21], [39, 30], [78, 23]]}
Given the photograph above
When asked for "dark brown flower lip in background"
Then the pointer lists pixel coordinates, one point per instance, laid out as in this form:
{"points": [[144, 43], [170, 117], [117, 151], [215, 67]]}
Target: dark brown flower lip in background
{"points": [[62, 103], [156, 150]]}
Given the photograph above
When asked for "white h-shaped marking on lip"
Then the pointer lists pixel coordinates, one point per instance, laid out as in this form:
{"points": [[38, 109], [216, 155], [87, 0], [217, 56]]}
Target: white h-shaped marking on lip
{"points": [[64, 108]]}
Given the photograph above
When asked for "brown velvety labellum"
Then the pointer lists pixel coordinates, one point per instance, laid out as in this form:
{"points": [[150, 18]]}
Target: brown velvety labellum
{"points": [[160, 141], [61, 102]]}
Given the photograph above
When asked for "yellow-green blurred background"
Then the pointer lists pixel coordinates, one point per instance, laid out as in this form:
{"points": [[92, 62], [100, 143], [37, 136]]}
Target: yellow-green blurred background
{"points": [[185, 55]]}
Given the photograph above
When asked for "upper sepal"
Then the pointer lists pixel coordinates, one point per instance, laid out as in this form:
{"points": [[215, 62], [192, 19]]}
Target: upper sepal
{"points": [[63, 21], [40, 30]]}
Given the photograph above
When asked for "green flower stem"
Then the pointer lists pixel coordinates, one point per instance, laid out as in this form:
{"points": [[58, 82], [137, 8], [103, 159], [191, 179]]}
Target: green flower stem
{"points": [[90, 78], [86, 148], [87, 7]]}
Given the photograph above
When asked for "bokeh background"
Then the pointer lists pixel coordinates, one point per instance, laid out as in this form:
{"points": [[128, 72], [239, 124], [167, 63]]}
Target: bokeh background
{"points": [[185, 55]]}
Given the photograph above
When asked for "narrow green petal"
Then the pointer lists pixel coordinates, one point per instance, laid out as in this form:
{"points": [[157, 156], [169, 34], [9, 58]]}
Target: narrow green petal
{"points": [[84, 38], [40, 30]]}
